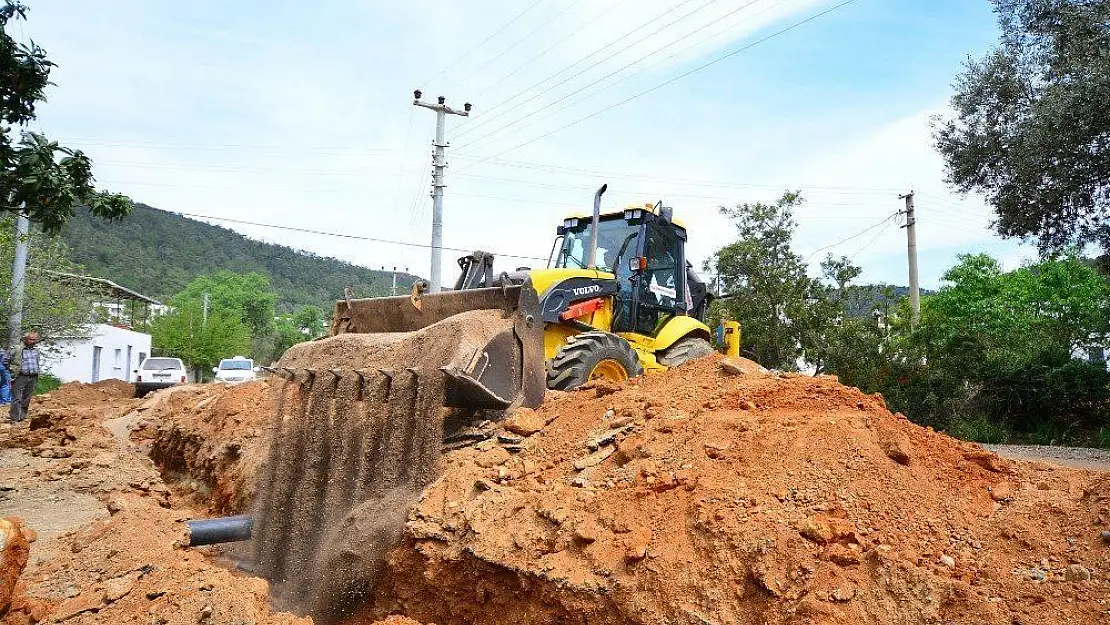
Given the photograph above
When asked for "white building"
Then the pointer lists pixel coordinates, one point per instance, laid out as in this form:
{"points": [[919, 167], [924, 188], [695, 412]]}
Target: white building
{"points": [[110, 352], [112, 349]]}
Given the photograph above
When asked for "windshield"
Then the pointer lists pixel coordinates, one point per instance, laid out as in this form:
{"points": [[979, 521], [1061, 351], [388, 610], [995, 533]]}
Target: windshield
{"points": [[612, 234], [235, 365], [161, 364]]}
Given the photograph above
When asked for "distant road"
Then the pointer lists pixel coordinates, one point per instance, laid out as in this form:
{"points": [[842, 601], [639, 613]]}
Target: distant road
{"points": [[1075, 457]]}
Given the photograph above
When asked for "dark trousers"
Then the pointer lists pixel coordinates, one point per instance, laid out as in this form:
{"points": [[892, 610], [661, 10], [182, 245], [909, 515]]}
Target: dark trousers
{"points": [[23, 387]]}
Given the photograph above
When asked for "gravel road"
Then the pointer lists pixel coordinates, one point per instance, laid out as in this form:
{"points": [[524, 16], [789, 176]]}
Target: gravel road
{"points": [[1076, 457]]}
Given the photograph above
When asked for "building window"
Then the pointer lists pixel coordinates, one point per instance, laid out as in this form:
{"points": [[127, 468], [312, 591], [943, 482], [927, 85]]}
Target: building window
{"points": [[96, 363]]}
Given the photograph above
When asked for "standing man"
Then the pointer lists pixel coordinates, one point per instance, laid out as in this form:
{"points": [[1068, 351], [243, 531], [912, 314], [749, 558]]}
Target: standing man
{"points": [[24, 365]]}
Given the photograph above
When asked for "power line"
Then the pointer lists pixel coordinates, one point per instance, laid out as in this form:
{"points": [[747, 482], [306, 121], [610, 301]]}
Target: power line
{"points": [[871, 240], [574, 171], [595, 92], [507, 24], [553, 45], [519, 41], [404, 157], [338, 150], [343, 235], [529, 89], [637, 197], [579, 171], [616, 71], [260, 169], [681, 76], [417, 195], [854, 236]]}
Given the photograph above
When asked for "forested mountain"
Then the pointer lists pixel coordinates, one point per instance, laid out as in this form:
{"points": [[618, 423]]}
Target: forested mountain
{"points": [[157, 253], [866, 298]]}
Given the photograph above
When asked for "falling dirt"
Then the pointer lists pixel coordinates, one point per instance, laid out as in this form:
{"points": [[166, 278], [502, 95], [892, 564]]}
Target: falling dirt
{"points": [[355, 438]]}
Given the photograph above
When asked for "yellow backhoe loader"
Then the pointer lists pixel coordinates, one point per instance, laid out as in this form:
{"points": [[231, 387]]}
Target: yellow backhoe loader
{"points": [[618, 298]]}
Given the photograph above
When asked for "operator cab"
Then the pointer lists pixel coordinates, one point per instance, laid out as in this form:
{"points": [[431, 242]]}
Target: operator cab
{"points": [[645, 250]]}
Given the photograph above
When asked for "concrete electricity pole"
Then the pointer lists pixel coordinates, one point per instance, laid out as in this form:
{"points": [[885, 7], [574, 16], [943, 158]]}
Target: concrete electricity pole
{"points": [[911, 251], [19, 279], [204, 319], [442, 111]]}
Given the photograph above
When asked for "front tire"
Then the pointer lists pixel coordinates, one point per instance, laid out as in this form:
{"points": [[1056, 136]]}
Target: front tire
{"points": [[592, 356], [684, 350]]}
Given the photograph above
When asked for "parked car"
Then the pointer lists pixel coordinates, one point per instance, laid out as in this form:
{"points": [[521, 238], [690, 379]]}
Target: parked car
{"points": [[157, 372], [235, 370]]}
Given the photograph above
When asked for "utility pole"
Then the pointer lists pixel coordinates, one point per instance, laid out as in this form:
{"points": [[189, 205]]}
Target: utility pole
{"points": [[911, 252], [19, 278], [439, 165], [204, 321], [394, 290]]}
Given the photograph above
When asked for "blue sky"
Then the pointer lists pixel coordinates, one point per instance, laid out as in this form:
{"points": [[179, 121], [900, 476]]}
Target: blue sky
{"points": [[285, 113]]}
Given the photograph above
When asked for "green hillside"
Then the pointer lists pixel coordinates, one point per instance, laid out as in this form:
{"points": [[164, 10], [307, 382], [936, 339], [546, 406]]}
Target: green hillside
{"points": [[157, 253]]}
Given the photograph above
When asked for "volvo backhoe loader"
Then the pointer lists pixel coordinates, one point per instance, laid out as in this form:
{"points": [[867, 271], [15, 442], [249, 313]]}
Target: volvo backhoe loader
{"points": [[618, 298]]}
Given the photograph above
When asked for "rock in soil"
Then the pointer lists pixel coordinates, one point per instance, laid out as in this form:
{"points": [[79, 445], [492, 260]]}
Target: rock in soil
{"points": [[524, 421]]}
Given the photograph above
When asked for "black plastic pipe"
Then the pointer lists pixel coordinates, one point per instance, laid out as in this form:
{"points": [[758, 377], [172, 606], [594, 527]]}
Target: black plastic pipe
{"points": [[228, 529]]}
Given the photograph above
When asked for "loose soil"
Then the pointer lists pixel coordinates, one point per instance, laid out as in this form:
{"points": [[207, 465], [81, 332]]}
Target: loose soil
{"points": [[106, 532], [694, 496]]}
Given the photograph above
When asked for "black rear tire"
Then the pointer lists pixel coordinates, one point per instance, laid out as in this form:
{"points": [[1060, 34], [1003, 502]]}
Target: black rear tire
{"points": [[590, 354], [684, 350]]}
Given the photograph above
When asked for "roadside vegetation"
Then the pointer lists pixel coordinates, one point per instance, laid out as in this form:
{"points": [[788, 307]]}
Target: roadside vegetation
{"points": [[239, 319], [997, 356]]}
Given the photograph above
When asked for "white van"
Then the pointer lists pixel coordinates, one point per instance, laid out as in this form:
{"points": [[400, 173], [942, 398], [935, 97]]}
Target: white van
{"points": [[157, 372], [235, 370]]}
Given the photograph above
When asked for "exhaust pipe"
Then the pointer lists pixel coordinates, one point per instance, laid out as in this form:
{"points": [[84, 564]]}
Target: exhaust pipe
{"points": [[591, 260], [228, 529]]}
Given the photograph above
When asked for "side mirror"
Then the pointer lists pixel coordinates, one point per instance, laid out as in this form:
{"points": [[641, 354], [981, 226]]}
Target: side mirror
{"points": [[215, 369], [256, 369]]}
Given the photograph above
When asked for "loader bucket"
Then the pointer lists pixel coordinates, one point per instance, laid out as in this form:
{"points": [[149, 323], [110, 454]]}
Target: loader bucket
{"points": [[487, 342], [358, 426]]}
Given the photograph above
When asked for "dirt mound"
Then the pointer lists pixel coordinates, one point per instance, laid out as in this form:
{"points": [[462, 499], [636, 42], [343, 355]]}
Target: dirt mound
{"points": [[109, 533], [57, 418], [703, 496], [209, 439], [131, 568], [75, 393]]}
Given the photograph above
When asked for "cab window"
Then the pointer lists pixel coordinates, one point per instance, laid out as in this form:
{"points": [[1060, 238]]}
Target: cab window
{"points": [[614, 236], [660, 283]]}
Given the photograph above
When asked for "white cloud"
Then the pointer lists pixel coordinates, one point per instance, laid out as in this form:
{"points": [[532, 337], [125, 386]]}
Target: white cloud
{"points": [[303, 118]]}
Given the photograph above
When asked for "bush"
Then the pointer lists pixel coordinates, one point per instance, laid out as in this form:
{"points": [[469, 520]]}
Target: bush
{"points": [[996, 347], [978, 428], [46, 383]]}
